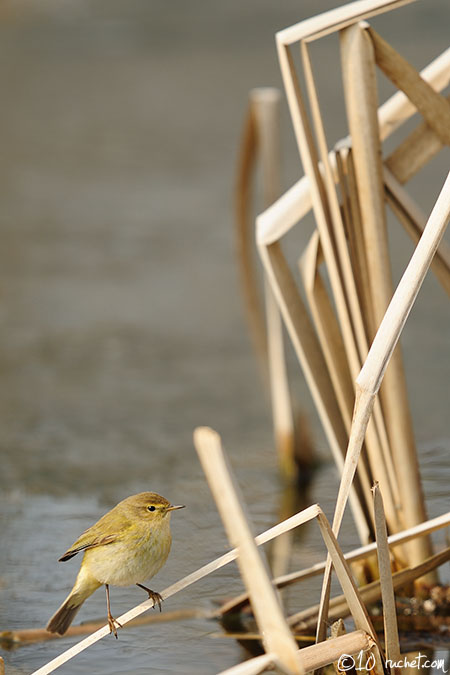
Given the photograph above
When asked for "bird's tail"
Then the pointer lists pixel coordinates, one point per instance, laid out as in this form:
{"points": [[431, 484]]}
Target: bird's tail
{"points": [[63, 617]]}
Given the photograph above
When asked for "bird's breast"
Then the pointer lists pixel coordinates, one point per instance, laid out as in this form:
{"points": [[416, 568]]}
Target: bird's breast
{"points": [[130, 560]]}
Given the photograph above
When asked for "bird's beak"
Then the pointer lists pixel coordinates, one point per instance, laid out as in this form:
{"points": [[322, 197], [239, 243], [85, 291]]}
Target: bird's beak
{"points": [[174, 508]]}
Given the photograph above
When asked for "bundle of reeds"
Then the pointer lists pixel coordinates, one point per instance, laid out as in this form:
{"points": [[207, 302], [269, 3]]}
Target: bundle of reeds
{"points": [[348, 189]]}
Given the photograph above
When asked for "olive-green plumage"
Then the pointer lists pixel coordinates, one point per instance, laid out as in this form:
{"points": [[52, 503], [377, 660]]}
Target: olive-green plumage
{"points": [[128, 545]]}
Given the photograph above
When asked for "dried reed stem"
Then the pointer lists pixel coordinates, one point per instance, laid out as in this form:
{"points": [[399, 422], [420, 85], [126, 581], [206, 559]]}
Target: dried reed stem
{"points": [[244, 239], [282, 413], [358, 66], [391, 640], [265, 106], [318, 656], [277, 637]]}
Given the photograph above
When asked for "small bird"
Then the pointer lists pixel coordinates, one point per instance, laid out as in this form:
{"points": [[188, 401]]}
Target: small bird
{"points": [[128, 545]]}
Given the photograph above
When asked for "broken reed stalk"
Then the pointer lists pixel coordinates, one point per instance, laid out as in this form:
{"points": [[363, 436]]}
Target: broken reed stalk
{"points": [[359, 77], [282, 413], [372, 372], [360, 553], [277, 637], [244, 240], [312, 657], [391, 639], [265, 110], [265, 106]]}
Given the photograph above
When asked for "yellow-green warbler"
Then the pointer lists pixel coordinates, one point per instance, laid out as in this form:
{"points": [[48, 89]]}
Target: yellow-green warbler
{"points": [[128, 545]]}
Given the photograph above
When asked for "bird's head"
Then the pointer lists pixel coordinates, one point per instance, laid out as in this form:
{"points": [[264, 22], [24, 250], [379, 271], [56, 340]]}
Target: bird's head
{"points": [[149, 507]]}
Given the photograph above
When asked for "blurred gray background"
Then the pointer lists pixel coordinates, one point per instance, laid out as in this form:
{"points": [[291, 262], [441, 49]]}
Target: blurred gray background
{"points": [[120, 312]]}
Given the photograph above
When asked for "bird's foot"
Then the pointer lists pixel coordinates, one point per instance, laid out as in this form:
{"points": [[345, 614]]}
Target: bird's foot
{"points": [[112, 623], [153, 595]]}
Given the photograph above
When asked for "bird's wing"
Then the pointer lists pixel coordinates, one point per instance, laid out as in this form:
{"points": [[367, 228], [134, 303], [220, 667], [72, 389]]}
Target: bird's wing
{"points": [[80, 545], [105, 531]]}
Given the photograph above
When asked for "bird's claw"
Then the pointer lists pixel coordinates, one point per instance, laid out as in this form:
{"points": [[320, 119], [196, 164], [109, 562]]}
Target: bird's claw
{"points": [[157, 599], [153, 595], [112, 622]]}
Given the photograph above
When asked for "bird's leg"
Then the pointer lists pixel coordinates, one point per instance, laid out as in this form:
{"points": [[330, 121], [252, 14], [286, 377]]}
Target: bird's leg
{"points": [[111, 620], [153, 595]]}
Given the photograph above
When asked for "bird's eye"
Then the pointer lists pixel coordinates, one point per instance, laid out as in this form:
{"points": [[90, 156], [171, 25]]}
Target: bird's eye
{"points": [[151, 508]]}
